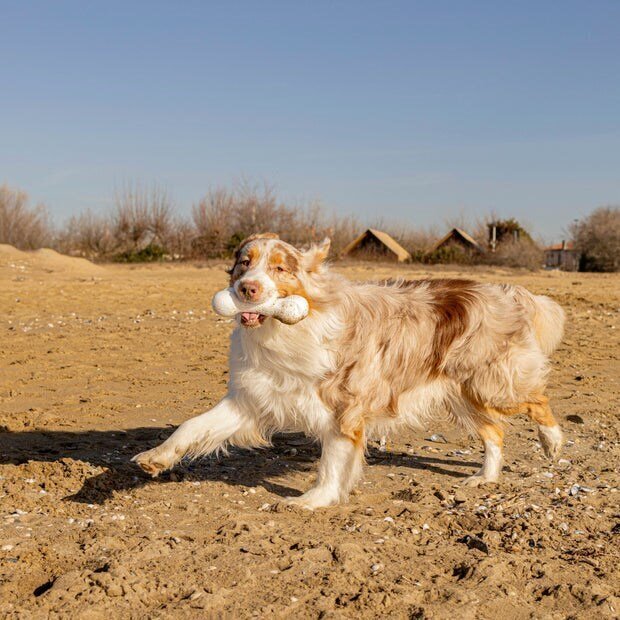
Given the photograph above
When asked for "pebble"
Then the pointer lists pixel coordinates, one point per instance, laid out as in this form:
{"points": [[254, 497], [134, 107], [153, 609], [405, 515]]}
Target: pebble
{"points": [[460, 497], [576, 488], [437, 438]]}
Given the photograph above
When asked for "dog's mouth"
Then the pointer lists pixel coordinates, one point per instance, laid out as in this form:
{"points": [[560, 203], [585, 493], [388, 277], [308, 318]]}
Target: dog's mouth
{"points": [[252, 319]]}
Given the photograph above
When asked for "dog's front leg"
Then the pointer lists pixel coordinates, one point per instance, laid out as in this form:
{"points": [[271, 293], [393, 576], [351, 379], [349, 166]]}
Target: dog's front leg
{"points": [[340, 468], [198, 436]]}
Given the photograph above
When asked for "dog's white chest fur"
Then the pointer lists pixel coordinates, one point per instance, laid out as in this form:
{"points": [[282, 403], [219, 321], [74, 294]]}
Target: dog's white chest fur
{"points": [[276, 376]]}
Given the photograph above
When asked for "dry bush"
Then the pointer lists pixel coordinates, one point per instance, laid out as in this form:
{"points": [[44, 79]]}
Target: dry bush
{"points": [[597, 239], [417, 241], [22, 226], [142, 217], [341, 231], [523, 253], [88, 234], [222, 218], [178, 241], [142, 226], [214, 222]]}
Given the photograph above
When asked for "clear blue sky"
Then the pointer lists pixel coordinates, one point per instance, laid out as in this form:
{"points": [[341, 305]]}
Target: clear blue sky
{"points": [[410, 111]]}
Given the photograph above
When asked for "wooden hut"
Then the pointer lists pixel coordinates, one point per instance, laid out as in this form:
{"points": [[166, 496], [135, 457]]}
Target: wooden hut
{"points": [[376, 244]]}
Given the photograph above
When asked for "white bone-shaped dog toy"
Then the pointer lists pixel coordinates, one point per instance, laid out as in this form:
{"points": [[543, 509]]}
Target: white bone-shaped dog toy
{"points": [[289, 310]]}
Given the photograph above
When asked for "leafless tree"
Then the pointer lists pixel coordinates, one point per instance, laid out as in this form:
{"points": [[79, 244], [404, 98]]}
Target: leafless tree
{"points": [[23, 226], [597, 239]]}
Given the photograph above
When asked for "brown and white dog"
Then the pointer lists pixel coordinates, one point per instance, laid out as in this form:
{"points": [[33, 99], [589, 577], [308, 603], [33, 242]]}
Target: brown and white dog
{"points": [[371, 358]]}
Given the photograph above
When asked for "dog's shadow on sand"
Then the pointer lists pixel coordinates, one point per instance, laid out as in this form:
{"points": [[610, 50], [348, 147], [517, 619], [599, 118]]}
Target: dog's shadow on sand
{"points": [[113, 450]]}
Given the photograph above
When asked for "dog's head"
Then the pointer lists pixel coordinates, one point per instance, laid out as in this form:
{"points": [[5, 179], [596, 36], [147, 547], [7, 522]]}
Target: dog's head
{"points": [[266, 267]]}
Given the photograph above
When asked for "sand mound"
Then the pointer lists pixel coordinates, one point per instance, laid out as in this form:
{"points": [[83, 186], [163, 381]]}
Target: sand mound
{"points": [[52, 260], [45, 260], [8, 252]]}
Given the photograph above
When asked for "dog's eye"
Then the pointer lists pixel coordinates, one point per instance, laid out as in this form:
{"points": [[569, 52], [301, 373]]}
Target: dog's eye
{"points": [[280, 268], [245, 262]]}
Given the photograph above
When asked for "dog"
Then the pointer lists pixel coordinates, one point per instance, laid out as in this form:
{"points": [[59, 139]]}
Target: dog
{"points": [[369, 359]]}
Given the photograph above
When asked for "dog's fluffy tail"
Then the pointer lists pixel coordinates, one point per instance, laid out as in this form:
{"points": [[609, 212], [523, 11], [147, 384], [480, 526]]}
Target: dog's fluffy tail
{"points": [[549, 319], [546, 317]]}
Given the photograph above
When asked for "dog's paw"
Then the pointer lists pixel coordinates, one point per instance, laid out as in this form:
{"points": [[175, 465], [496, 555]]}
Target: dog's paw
{"points": [[153, 462], [551, 440], [477, 480], [314, 498]]}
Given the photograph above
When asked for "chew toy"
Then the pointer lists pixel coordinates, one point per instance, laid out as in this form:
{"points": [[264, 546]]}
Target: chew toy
{"points": [[289, 310]]}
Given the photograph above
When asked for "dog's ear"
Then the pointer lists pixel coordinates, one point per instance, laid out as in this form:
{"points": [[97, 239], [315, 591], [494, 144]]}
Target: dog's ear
{"points": [[254, 237], [315, 256]]}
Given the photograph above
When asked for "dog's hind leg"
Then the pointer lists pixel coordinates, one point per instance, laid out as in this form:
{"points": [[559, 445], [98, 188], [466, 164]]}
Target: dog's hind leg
{"points": [[492, 435], [203, 434], [549, 430], [539, 411], [342, 459]]}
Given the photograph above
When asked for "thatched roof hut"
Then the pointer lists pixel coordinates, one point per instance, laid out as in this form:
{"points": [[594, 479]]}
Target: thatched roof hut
{"points": [[458, 236], [376, 244]]}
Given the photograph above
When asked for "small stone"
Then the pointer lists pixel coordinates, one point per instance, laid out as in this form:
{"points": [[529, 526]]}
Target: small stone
{"points": [[574, 490], [460, 497], [114, 589], [437, 438], [375, 568]]}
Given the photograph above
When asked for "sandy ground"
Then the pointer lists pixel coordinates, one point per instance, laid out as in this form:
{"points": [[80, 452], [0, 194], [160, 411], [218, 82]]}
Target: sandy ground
{"points": [[97, 364]]}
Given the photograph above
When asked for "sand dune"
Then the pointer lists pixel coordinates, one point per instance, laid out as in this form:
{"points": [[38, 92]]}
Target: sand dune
{"points": [[45, 260]]}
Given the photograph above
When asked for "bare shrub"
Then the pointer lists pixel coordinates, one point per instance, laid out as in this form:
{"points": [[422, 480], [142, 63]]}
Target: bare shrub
{"points": [[214, 219], [222, 218], [452, 254], [142, 217], [178, 241], [341, 231], [88, 234], [522, 253], [597, 239], [23, 226]]}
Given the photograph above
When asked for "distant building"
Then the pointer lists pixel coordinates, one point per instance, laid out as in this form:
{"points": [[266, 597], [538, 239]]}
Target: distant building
{"points": [[375, 244], [562, 256], [458, 237]]}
